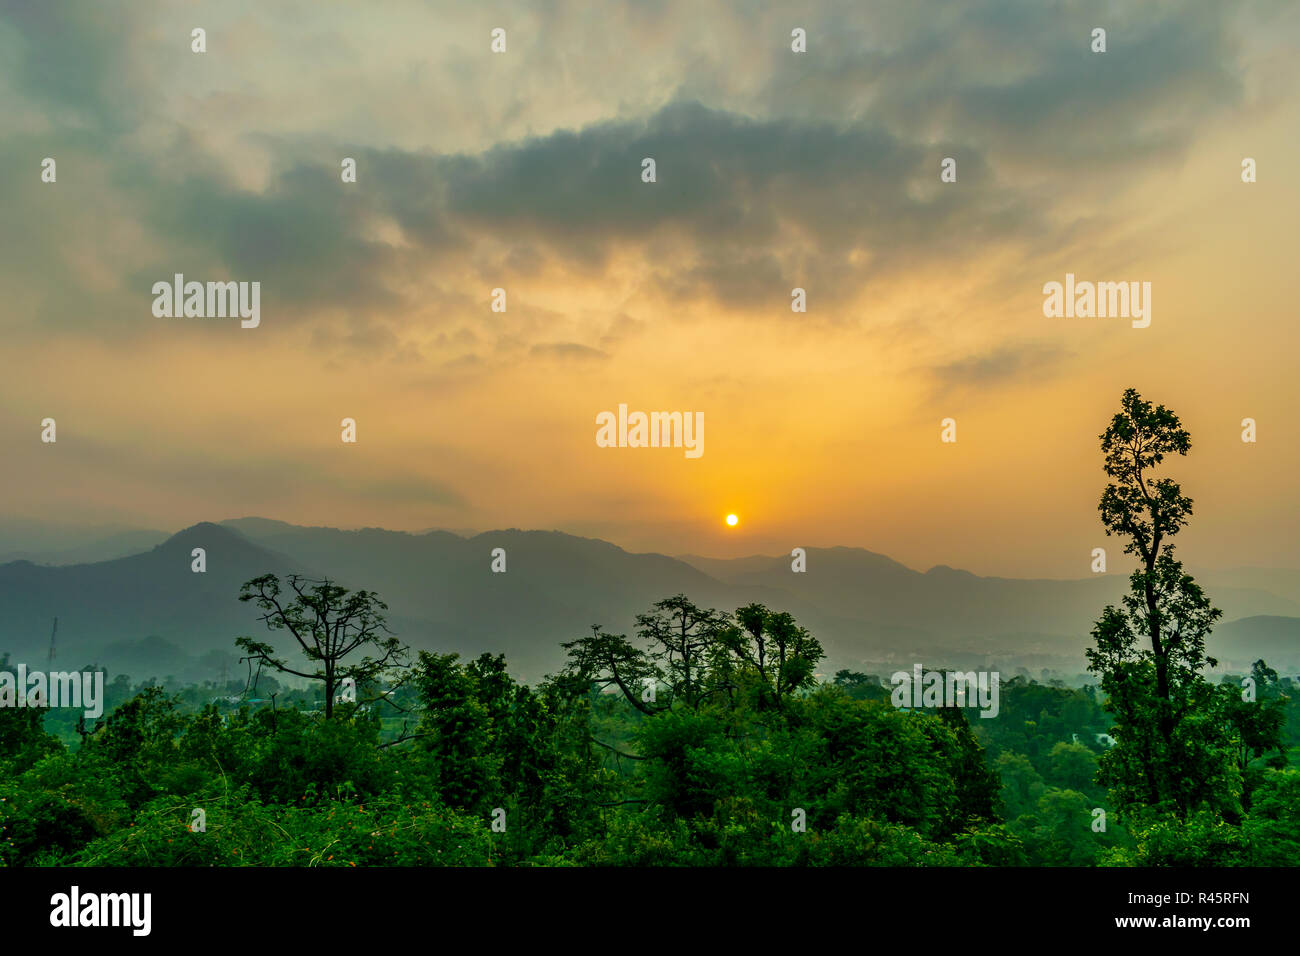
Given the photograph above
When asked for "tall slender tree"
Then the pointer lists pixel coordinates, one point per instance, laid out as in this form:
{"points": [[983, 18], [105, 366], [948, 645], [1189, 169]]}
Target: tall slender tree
{"points": [[1172, 750]]}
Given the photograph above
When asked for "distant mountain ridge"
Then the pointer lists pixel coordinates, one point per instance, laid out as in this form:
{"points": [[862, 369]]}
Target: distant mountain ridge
{"points": [[867, 609], [117, 545]]}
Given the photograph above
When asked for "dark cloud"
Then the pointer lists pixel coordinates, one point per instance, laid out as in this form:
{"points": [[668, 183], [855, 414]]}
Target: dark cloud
{"points": [[74, 61], [303, 237], [743, 210], [1017, 80], [828, 192], [725, 181], [1008, 363]]}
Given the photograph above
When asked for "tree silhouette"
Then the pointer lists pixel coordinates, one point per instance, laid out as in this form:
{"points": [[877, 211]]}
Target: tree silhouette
{"points": [[780, 652], [1171, 747], [329, 623]]}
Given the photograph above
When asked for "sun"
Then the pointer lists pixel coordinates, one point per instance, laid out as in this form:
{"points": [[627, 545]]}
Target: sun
{"points": [[732, 520]]}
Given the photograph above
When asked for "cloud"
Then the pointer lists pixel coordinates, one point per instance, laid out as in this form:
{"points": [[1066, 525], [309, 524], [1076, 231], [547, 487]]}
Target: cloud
{"points": [[1017, 79], [74, 66], [138, 465], [734, 195], [1004, 364], [765, 180], [567, 350]]}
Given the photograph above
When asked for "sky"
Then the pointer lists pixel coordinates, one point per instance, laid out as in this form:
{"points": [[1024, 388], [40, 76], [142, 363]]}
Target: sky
{"points": [[522, 170]]}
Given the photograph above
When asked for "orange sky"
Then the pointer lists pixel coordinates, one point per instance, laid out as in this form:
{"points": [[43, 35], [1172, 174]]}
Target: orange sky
{"points": [[522, 170]]}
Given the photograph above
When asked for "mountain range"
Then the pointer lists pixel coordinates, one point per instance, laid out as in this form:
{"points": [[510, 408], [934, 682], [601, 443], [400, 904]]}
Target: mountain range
{"points": [[149, 614]]}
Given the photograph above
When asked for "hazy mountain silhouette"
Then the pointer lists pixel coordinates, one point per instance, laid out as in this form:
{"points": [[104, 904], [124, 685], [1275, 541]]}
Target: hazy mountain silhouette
{"points": [[87, 545], [1242, 642], [858, 584], [149, 594], [442, 595]]}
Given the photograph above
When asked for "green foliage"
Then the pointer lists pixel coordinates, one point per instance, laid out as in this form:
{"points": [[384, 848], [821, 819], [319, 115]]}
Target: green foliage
{"points": [[1273, 829], [1164, 839], [1073, 765], [748, 762], [243, 831], [692, 657], [1257, 721], [1058, 830], [1173, 748], [329, 624]]}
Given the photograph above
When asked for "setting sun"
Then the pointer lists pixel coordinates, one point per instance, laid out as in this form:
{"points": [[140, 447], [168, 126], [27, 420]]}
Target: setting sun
{"points": [[732, 520]]}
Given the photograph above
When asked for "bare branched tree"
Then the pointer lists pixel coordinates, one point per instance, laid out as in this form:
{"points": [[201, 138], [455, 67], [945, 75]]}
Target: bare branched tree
{"points": [[329, 623]]}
